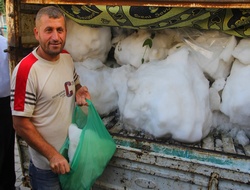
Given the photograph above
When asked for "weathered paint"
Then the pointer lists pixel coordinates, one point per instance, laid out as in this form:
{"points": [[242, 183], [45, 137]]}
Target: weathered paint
{"points": [[12, 20], [126, 168], [220, 159], [166, 3]]}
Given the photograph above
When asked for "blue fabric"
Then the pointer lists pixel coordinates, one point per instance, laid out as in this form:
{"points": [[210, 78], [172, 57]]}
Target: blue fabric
{"points": [[4, 68], [43, 179]]}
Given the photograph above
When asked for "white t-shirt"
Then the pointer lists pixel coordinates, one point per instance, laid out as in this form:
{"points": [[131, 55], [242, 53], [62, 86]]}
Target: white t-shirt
{"points": [[4, 69], [45, 92]]}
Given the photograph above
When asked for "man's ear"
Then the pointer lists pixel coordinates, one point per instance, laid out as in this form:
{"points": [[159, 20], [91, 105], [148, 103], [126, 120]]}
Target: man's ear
{"points": [[35, 30]]}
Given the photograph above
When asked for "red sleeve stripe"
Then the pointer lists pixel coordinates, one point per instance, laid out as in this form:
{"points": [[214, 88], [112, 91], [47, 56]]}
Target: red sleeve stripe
{"points": [[21, 81], [64, 51]]}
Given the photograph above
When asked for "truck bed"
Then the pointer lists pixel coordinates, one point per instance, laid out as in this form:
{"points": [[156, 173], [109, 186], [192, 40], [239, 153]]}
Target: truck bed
{"points": [[142, 161]]}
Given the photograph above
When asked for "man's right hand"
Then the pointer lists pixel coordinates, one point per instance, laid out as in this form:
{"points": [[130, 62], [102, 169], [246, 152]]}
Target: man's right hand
{"points": [[59, 164]]}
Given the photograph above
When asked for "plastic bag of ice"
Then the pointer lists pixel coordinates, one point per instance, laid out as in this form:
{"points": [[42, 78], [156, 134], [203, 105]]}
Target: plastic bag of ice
{"points": [[83, 42], [96, 76], [242, 51], [120, 77], [169, 97], [74, 137], [214, 94], [235, 96], [130, 50], [212, 50]]}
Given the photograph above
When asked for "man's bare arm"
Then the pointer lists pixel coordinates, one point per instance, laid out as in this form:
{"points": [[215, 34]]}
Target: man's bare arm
{"points": [[25, 129]]}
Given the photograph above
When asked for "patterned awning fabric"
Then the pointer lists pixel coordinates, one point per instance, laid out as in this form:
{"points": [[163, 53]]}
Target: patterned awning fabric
{"points": [[231, 21]]}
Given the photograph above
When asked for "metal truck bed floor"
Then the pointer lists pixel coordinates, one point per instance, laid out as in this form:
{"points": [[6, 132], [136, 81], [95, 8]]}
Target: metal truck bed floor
{"points": [[142, 162]]}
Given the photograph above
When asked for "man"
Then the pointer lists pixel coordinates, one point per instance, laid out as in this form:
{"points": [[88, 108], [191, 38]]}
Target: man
{"points": [[44, 88], [7, 133]]}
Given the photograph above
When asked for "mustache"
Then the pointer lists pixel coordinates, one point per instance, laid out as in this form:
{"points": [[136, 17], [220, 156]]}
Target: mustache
{"points": [[55, 42]]}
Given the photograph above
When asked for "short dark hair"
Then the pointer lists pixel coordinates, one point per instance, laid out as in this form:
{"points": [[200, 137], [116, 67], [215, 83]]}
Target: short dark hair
{"points": [[51, 11]]}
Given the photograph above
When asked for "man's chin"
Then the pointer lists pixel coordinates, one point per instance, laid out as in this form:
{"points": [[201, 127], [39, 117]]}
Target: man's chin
{"points": [[55, 47], [55, 52]]}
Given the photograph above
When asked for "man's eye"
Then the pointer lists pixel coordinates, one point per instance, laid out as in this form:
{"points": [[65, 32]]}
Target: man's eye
{"points": [[48, 30], [60, 30]]}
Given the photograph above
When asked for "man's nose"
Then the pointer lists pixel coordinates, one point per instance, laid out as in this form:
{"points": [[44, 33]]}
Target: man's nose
{"points": [[55, 35]]}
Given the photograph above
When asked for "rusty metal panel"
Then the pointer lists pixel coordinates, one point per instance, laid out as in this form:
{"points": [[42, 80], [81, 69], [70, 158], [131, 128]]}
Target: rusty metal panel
{"points": [[132, 168], [20, 24], [168, 3], [27, 25], [145, 149], [141, 176], [12, 20]]}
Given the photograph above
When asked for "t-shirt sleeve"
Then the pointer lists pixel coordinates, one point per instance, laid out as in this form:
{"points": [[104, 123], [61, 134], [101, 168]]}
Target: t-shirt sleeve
{"points": [[23, 93]]}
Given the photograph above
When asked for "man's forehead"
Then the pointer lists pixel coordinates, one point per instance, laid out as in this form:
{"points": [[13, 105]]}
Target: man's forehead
{"points": [[47, 17], [52, 22]]}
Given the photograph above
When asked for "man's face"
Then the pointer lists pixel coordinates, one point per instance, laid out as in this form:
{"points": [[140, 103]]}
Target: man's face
{"points": [[51, 34]]}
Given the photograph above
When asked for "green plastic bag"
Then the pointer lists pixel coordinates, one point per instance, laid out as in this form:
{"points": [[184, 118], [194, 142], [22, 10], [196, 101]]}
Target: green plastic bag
{"points": [[94, 150]]}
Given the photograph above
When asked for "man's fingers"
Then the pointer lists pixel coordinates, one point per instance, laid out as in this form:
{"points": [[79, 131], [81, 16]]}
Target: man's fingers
{"points": [[85, 88], [55, 168], [81, 95], [59, 165], [64, 169], [60, 169]]}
